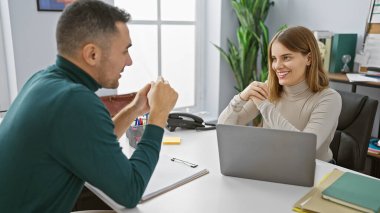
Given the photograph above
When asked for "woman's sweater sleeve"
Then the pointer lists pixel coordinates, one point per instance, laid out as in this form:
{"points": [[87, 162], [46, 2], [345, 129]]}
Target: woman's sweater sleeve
{"points": [[238, 112]]}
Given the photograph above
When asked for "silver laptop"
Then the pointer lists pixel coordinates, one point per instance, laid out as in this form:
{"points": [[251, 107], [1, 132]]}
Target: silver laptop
{"points": [[267, 154]]}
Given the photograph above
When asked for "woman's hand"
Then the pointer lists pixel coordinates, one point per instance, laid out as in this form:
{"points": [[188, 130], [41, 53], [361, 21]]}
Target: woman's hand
{"points": [[255, 91]]}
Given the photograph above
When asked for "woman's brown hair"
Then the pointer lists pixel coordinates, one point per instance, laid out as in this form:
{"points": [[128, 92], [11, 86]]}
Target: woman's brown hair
{"points": [[298, 39]]}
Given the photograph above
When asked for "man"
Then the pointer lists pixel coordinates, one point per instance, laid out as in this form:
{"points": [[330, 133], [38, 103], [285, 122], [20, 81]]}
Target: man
{"points": [[58, 134]]}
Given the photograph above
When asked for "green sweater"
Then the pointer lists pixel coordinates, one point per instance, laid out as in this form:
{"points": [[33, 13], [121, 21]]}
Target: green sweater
{"points": [[58, 134]]}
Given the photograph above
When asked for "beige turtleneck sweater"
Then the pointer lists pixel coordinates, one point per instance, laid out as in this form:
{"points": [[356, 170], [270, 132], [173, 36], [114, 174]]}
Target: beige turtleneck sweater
{"points": [[299, 109]]}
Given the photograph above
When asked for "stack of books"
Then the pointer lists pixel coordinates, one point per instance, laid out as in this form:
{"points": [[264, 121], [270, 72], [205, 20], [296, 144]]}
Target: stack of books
{"points": [[333, 46], [325, 38], [374, 146], [342, 192], [373, 72]]}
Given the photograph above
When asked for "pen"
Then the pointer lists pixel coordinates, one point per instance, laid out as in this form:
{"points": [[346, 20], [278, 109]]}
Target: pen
{"points": [[192, 165], [136, 122]]}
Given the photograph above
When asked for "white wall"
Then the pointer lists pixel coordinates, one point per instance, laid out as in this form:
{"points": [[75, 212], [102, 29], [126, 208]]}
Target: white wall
{"points": [[228, 23], [338, 16], [33, 35]]}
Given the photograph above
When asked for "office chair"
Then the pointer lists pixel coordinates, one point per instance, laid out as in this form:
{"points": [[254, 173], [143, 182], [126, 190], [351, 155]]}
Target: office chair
{"points": [[351, 139]]}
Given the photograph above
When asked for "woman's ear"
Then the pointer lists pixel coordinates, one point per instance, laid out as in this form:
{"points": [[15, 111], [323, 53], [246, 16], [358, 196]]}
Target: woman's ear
{"points": [[91, 54], [308, 57]]}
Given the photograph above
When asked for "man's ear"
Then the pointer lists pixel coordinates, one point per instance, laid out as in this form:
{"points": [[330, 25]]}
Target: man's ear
{"points": [[91, 54]]}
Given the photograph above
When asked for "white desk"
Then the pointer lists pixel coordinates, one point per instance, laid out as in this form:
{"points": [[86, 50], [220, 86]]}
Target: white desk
{"points": [[215, 192]]}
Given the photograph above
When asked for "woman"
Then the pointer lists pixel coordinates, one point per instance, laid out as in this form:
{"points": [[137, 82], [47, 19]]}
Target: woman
{"points": [[296, 96]]}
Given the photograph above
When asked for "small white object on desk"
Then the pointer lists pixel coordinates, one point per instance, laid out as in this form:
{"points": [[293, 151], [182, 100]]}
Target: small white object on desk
{"points": [[357, 77]]}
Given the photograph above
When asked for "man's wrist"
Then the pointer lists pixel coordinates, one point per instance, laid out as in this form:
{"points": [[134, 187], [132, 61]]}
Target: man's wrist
{"points": [[127, 111], [158, 119]]}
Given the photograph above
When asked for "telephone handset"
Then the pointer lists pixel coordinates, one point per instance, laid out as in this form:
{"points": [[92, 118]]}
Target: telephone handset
{"points": [[187, 121]]}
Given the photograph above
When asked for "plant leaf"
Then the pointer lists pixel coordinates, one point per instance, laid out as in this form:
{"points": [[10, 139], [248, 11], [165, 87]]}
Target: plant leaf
{"points": [[252, 37]]}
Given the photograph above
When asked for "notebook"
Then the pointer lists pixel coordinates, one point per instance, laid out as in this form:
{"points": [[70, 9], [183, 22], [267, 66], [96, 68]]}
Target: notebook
{"points": [[313, 201], [267, 154], [355, 191], [169, 174]]}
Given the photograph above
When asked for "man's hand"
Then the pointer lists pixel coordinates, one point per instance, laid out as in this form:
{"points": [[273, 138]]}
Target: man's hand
{"points": [[140, 103], [157, 98], [161, 98]]}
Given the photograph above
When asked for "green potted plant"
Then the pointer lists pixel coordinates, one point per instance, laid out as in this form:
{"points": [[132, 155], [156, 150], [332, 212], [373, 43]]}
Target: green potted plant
{"points": [[252, 39]]}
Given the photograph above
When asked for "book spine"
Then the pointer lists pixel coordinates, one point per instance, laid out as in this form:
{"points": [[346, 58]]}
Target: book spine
{"points": [[324, 37], [374, 151], [374, 69], [326, 60], [342, 44]]}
